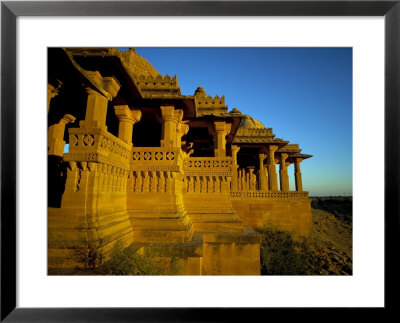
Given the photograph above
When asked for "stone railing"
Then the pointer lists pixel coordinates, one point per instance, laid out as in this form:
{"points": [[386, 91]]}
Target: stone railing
{"points": [[207, 184], [211, 166], [156, 159], [150, 181], [97, 145], [268, 194]]}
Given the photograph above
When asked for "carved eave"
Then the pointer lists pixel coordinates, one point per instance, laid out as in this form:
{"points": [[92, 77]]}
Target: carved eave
{"points": [[290, 149], [292, 158], [141, 79], [254, 135], [132, 61], [91, 79], [253, 140], [260, 142], [279, 142], [107, 63]]}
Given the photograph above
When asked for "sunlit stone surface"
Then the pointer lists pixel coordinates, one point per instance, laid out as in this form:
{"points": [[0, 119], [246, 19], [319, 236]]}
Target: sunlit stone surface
{"points": [[149, 165]]}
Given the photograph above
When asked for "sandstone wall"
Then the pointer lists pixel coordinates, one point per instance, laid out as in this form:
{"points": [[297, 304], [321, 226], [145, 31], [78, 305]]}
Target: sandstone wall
{"points": [[292, 215]]}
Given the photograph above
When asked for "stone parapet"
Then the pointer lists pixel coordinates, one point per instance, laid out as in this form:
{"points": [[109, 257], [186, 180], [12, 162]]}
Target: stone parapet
{"points": [[97, 145], [221, 166], [206, 184], [156, 159], [269, 195]]}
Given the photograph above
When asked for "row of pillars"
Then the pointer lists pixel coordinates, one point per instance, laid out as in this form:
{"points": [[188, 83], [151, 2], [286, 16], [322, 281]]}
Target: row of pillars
{"points": [[268, 177], [173, 128]]}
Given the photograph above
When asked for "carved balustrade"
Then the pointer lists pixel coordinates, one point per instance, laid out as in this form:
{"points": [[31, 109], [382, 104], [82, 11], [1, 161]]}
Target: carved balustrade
{"points": [[97, 145], [154, 169], [218, 166], [269, 194], [156, 159], [211, 175], [151, 181]]}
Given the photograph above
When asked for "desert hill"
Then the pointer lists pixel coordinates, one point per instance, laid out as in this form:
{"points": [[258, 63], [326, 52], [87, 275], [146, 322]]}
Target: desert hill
{"points": [[332, 234]]}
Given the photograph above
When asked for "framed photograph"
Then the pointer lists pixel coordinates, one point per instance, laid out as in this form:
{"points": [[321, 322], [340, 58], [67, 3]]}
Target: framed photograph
{"points": [[71, 47]]}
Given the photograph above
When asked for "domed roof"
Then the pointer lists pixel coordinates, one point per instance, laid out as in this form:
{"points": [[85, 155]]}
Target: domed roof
{"points": [[250, 123], [235, 111], [200, 90]]}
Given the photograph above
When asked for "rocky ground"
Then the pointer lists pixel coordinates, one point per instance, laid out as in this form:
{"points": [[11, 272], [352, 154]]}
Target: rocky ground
{"points": [[332, 234]]}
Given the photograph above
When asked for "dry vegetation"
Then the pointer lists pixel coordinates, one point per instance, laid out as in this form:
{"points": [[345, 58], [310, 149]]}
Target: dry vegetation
{"points": [[327, 252]]}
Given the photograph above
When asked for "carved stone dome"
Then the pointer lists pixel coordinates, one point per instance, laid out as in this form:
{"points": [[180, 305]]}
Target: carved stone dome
{"points": [[200, 90], [235, 111], [250, 123]]}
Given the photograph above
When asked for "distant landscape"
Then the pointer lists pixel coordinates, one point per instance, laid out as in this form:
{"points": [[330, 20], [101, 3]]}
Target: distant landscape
{"points": [[332, 233]]}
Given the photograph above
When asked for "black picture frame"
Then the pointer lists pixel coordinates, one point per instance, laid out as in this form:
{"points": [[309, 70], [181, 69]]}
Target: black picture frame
{"points": [[10, 10]]}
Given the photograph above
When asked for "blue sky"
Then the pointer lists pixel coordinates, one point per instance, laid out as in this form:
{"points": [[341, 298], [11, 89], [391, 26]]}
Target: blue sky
{"points": [[304, 94]]}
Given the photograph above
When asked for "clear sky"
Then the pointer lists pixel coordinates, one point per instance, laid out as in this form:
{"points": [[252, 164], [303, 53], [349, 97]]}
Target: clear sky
{"points": [[304, 94]]}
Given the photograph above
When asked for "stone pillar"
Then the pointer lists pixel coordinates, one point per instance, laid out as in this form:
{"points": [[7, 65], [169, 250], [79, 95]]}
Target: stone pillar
{"points": [[243, 179], [97, 103], [266, 176], [56, 141], [127, 118], [96, 110], [261, 173], [288, 180], [283, 173], [272, 175], [297, 175], [170, 120], [221, 129], [252, 180], [52, 91], [235, 149]]}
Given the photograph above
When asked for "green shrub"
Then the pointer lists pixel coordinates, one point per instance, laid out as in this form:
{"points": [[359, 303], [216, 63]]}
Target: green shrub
{"points": [[282, 255]]}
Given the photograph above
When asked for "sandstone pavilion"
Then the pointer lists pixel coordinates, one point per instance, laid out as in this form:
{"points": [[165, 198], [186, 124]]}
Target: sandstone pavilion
{"points": [[150, 166]]}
